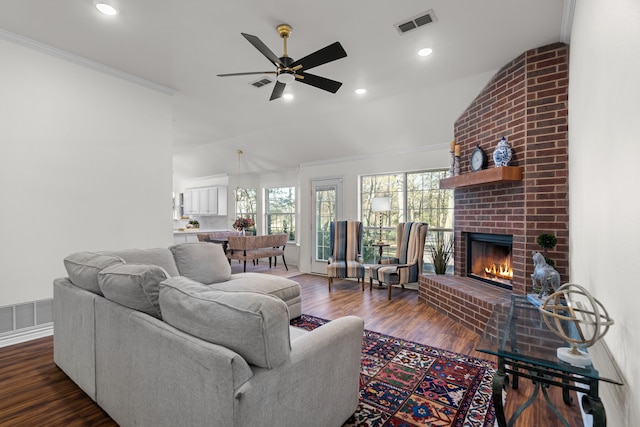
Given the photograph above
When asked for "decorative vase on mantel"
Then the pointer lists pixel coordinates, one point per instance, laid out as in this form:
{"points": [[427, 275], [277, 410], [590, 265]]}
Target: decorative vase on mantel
{"points": [[502, 153]]}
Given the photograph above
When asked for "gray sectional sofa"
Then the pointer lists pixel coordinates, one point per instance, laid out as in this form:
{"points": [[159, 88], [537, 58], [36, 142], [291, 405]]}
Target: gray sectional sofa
{"points": [[169, 337]]}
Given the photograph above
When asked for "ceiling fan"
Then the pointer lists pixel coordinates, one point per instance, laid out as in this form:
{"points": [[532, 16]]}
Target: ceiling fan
{"points": [[288, 70]]}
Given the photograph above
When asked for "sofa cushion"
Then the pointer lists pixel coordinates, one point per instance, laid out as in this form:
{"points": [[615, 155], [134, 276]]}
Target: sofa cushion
{"points": [[281, 287], [83, 268], [136, 286], [256, 326], [162, 257], [202, 262]]}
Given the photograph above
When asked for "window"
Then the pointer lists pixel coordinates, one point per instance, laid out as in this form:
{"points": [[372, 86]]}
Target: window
{"points": [[416, 197], [391, 186], [426, 202], [325, 215], [246, 205], [281, 211]]}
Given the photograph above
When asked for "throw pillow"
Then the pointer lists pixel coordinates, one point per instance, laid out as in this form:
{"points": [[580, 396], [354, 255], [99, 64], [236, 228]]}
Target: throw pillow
{"points": [[162, 257], [256, 326], [83, 269], [134, 285], [203, 262]]}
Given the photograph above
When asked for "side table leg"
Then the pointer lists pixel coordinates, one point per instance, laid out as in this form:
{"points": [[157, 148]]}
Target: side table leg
{"points": [[594, 406], [566, 397], [500, 381]]}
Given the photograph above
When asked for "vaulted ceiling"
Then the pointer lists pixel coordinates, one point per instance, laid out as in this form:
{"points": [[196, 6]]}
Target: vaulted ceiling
{"points": [[181, 46]]}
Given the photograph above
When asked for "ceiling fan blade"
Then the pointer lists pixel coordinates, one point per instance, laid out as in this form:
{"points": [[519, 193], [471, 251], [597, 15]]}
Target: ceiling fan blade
{"points": [[319, 82], [326, 54], [277, 91], [246, 74], [257, 43]]}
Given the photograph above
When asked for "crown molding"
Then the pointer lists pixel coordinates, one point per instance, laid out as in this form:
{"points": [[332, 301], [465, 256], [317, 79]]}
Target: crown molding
{"points": [[79, 60]]}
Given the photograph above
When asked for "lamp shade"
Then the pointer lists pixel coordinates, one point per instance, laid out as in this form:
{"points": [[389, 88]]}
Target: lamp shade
{"points": [[380, 204]]}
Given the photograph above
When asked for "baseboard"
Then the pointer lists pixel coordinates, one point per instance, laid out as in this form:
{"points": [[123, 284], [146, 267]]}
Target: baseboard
{"points": [[25, 335]]}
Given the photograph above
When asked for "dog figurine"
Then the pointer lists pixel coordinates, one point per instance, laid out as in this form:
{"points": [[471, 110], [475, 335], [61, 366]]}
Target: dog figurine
{"points": [[544, 274]]}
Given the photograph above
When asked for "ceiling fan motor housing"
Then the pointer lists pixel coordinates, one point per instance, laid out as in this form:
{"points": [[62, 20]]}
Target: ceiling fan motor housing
{"points": [[285, 73]]}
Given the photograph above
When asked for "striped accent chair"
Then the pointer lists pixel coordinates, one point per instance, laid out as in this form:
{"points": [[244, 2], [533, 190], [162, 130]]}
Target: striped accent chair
{"points": [[346, 251], [406, 266]]}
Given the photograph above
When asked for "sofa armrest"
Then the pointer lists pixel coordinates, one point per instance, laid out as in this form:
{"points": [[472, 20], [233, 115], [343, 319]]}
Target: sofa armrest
{"points": [[327, 358], [405, 266], [148, 373], [74, 333]]}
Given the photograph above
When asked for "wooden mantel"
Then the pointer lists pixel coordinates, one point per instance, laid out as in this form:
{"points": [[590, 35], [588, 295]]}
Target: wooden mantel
{"points": [[486, 176]]}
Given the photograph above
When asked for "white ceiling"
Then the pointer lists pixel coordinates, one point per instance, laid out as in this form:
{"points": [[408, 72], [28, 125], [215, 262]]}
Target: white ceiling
{"points": [[411, 101]]}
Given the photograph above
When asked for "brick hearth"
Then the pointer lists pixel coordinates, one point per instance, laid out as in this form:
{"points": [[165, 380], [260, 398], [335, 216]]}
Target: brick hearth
{"points": [[526, 101], [466, 300]]}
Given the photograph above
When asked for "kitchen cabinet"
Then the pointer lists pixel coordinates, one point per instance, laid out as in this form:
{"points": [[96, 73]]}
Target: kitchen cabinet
{"points": [[191, 201], [209, 201], [206, 200], [184, 238]]}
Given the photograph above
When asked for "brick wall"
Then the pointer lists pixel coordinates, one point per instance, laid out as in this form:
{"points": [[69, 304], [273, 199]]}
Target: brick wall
{"points": [[526, 101]]}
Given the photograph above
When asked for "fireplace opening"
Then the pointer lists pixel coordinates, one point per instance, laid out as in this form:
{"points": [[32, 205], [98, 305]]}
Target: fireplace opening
{"points": [[489, 258]]}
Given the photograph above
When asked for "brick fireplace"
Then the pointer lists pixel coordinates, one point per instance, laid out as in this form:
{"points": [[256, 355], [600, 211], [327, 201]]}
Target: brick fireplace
{"points": [[526, 102]]}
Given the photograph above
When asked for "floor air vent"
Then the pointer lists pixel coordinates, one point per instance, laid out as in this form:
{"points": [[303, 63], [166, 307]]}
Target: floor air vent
{"points": [[262, 82], [416, 22]]}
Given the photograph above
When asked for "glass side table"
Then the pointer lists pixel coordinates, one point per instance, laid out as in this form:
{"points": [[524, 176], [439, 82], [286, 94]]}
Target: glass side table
{"points": [[525, 347], [380, 246]]}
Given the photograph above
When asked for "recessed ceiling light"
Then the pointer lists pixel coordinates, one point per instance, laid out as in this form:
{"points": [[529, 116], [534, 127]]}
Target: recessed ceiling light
{"points": [[107, 9], [361, 91], [425, 52], [288, 96]]}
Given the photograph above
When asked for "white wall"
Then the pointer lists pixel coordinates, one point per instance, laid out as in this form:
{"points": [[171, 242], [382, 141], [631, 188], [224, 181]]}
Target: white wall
{"points": [[604, 149], [85, 164]]}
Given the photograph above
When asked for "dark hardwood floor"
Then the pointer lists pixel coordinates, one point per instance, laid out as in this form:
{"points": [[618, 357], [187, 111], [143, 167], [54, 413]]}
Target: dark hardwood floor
{"points": [[35, 392]]}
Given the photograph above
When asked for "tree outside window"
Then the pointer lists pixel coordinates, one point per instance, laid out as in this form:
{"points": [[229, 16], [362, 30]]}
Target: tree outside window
{"points": [[281, 211], [391, 186], [415, 197], [246, 205]]}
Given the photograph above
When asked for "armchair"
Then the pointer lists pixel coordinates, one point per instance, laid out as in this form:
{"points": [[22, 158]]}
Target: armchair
{"points": [[406, 266], [345, 259]]}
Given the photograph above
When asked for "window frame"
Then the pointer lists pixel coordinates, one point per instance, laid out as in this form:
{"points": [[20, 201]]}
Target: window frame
{"points": [[291, 230], [397, 188]]}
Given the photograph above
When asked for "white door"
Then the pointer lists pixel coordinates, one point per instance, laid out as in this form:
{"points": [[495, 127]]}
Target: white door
{"points": [[326, 207]]}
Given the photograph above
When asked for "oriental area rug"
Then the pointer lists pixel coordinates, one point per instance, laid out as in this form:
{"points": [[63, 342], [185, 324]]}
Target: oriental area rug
{"points": [[404, 383]]}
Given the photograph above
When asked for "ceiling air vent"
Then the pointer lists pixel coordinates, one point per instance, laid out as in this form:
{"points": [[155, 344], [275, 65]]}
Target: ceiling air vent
{"points": [[262, 82], [416, 22]]}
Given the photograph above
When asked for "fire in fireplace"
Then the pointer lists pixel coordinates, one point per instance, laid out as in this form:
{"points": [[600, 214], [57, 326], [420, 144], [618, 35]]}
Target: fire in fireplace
{"points": [[489, 258]]}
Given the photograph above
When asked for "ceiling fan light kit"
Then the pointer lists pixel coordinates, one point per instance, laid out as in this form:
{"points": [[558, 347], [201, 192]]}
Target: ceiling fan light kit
{"points": [[288, 70], [106, 9], [285, 76]]}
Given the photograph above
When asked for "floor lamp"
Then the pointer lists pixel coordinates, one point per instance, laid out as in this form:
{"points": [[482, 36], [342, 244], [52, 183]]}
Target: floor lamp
{"points": [[379, 205]]}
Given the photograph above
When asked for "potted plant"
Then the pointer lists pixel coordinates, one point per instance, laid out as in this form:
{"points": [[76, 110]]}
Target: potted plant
{"points": [[441, 253], [193, 224], [547, 241]]}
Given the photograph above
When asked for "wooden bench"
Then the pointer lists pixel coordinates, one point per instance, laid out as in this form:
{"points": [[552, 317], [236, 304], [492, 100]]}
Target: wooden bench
{"points": [[252, 248]]}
